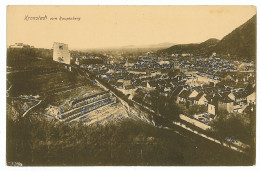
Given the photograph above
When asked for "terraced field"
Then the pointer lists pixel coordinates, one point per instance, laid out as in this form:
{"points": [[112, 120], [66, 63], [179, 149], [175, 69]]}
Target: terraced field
{"points": [[104, 115]]}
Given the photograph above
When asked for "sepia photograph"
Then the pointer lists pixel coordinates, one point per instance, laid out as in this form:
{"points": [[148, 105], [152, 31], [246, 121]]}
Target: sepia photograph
{"points": [[138, 85]]}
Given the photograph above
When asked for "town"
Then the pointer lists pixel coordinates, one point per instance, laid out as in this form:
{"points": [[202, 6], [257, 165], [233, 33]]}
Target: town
{"points": [[184, 89], [149, 104], [212, 84]]}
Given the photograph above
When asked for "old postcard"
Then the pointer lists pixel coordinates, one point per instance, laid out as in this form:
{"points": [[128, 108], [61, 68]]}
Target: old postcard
{"points": [[131, 86]]}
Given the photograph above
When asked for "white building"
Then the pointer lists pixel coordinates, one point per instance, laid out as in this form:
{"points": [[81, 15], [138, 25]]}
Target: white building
{"points": [[212, 109], [20, 45], [61, 53]]}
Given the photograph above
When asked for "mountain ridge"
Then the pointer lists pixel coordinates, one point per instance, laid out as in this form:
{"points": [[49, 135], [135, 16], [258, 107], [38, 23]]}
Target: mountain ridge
{"points": [[241, 43], [193, 48]]}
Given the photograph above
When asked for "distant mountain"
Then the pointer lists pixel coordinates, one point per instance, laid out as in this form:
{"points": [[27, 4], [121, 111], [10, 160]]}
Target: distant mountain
{"points": [[132, 47], [152, 46], [161, 45], [241, 43], [194, 48]]}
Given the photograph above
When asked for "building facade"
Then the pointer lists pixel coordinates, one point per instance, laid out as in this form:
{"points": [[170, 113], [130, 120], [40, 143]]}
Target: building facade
{"points": [[61, 53]]}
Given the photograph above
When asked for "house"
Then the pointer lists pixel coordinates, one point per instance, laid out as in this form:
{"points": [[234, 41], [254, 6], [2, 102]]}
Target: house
{"points": [[240, 86], [220, 102], [193, 94], [249, 109], [239, 108], [200, 99], [125, 83], [211, 109], [176, 65], [177, 90], [251, 98], [183, 96], [239, 97], [178, 77], [213, 104], [226, 84], [20, 45], [225, 103]]}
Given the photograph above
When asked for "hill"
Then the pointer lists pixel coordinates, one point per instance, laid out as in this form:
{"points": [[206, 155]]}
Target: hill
{"points": [[38, 142], [240, 43], [194, 48]]}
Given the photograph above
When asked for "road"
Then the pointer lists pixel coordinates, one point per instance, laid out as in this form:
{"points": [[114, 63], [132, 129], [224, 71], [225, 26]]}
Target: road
{"points": [[31, 108]]}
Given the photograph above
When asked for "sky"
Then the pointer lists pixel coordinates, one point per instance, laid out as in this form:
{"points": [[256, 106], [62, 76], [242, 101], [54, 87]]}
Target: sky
{"points": [[115, 26]]}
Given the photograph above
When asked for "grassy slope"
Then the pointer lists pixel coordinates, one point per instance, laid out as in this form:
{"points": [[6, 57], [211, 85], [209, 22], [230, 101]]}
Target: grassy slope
{"points": [[39, 142]]}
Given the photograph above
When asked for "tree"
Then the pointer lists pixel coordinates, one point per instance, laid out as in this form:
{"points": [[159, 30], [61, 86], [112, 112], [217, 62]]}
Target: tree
{"points": [[197, 109], [173, 111], [233, 126]]}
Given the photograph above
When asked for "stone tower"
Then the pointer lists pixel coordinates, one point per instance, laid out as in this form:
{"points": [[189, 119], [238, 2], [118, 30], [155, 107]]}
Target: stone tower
{"points": [[61, 53]]}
